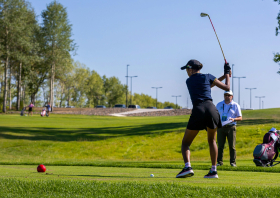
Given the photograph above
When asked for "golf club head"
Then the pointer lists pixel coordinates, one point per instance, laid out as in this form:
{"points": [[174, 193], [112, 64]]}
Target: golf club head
{"points": [[203, 14]]}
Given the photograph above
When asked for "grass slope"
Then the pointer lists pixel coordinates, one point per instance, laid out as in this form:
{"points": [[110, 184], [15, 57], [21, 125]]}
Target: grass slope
{"points": [[86, 139]]}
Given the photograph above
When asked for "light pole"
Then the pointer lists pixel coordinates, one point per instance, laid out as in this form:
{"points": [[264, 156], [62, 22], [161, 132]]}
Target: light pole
{"points": [[131, 86], [126, 83], [262, 104], [156, 93], [250, 96], [260, 97], [239, 87], [176, 99], [232, 77]]}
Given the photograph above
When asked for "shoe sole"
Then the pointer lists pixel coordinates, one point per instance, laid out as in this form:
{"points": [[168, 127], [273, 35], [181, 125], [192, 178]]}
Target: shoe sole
{"points": [[211, 177], [186, 174]]}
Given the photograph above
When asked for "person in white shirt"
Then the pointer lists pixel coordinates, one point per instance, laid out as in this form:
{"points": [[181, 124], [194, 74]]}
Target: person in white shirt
{"points": [[230, 112]]}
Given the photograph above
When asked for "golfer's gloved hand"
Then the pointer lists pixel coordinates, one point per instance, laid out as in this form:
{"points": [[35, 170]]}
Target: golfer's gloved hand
{"points": [[227, 68]]}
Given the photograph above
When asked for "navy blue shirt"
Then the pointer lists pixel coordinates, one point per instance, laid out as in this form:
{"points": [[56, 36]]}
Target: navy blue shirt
{"points": [[199, 86]]}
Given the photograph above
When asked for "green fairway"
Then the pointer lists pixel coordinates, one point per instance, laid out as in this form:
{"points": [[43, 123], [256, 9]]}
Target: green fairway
{"points": [[101, 156], [77, 139], [133, 182], [115, 174]]}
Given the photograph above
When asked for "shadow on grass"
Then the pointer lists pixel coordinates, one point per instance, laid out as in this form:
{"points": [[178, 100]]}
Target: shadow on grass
{"points": [[106, 176], [88, 134], [257, 121]]}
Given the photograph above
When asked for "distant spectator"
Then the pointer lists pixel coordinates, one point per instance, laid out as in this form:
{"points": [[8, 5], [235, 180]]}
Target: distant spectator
{"points": [[48, 109], [30, 109]]}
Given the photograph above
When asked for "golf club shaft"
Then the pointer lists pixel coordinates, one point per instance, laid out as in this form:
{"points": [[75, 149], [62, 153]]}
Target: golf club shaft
{"points": [[217, 39]]}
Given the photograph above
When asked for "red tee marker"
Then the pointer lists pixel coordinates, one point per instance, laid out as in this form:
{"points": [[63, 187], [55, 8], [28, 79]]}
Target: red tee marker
{"points": [[41, 168]]}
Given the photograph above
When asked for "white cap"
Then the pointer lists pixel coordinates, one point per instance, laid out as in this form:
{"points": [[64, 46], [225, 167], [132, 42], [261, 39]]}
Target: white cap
{"points": [[229, 92]]}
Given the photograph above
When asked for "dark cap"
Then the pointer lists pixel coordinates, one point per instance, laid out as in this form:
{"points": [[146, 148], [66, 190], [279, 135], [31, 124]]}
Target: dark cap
{"points": [[192, 64]]}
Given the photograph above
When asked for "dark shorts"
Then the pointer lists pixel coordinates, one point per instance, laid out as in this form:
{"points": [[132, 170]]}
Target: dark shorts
{"points": [[30, 109], [204, 114]]}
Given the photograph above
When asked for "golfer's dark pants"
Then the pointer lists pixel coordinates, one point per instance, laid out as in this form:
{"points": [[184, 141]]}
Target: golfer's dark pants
{"points": [[229, 133]]}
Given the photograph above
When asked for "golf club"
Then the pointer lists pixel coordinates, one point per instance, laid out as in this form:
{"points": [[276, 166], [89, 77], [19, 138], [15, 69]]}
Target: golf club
{"points": [[204, 15]]}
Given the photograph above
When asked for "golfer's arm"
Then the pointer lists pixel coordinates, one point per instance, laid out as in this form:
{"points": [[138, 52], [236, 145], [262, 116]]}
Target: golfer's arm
{"points": [[220, 79], [221, 85]]}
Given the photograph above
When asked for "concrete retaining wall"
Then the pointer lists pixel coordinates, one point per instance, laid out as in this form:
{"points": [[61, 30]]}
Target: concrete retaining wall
{"points": [[174, 112], [78, 111], [108, 111]]}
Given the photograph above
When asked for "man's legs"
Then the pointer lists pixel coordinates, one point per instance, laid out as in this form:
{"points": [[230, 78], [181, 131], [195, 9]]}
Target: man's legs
{"points": [[221, 136], [231, 144]]}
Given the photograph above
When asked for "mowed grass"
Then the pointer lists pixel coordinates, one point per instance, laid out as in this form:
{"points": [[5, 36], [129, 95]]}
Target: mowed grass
{"points": [[85, 139], [121, 153], [61, 181]]}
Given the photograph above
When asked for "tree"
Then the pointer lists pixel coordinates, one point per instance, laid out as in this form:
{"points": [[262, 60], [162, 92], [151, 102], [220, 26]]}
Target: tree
{"points": [[11, 14], [27, 49], [94, 89], [57, 35], [81, 76], [277, 55], [114, 91]]}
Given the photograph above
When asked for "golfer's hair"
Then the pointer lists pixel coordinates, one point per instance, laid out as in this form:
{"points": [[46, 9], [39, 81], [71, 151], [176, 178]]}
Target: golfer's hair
{"points": [[197, 68]]}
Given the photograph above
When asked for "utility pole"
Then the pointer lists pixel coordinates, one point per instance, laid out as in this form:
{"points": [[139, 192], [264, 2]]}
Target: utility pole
{"points": [[176, 99], [250, 96], [260, 97], [262, 104], [126, 83], [156, 93], [131, 86], [239, 87], [232, 77]]}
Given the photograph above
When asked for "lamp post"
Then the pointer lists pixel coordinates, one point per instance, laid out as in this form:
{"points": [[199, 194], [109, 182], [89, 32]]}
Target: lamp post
{"points": [[232, 77], [126, 82], [250, 96], [176, 99], [156, 93], [239, 87], [260, 97], [131, 86]]}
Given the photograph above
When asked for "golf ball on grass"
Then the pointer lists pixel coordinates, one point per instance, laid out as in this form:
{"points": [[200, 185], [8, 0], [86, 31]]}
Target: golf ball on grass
{"points": [[41, 168], [152, 175]]}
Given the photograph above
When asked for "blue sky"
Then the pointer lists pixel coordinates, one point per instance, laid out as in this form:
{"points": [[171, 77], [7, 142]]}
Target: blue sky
{"points": [[157, 37]]}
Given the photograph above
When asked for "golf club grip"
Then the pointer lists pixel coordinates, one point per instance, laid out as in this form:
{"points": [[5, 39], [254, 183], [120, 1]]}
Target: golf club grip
{"points": [[226, 63]]}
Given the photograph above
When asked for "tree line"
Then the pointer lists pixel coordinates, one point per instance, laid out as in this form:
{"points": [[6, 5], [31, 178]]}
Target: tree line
{"points": [[37, 64]]}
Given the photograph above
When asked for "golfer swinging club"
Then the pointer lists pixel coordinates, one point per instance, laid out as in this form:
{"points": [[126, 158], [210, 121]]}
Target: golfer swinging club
{"points": [[204, 113]]}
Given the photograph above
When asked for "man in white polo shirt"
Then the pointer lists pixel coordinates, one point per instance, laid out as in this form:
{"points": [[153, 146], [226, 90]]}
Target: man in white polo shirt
{"points": [[230, 112]]}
